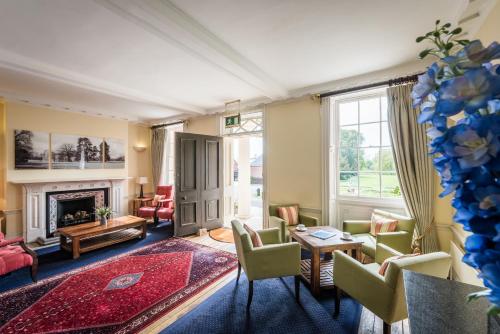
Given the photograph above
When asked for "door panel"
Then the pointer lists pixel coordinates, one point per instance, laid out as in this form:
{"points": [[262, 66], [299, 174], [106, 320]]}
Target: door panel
{"points": [[198, 168]]}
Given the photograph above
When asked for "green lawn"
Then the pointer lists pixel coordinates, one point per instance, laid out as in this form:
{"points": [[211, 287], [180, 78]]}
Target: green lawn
{"points": [[369, 185]]}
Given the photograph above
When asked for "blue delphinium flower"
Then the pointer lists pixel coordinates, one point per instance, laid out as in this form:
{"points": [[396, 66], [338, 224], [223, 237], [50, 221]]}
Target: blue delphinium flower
{"points": [[467, 153]]}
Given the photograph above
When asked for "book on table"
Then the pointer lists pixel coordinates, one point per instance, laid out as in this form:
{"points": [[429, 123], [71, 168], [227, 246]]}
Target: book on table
{"points": [[321, 234]]}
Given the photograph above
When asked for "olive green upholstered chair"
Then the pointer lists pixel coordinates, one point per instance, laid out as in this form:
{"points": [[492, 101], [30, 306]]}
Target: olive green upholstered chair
{"points": [[399, 240], [276, 221], [383, 295], [274, 259]]}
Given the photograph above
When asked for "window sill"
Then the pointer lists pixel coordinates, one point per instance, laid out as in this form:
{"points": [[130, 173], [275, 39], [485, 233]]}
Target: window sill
{"points": [[373, 202]]}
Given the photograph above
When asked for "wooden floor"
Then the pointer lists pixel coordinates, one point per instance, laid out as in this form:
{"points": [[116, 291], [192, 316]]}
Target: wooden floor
{"points": [[369, 323]]}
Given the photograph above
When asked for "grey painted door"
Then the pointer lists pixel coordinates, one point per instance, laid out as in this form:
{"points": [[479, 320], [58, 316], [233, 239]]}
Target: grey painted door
{"points": [[199, 192]]}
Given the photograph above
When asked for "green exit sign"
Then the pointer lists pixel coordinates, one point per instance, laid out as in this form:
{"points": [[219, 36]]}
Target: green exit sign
{"points": [[232, 121]]}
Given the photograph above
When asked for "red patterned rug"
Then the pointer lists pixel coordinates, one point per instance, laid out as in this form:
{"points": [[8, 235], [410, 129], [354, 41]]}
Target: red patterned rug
{"points": [[123, 294]]}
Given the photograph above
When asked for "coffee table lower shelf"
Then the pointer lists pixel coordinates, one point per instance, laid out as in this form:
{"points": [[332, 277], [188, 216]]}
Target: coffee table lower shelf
{"points": [[103, 240], [326, 272]]}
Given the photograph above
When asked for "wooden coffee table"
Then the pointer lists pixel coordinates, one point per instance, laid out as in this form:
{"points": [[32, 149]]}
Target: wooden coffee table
{"points": [[89, 236], [319, 273]]}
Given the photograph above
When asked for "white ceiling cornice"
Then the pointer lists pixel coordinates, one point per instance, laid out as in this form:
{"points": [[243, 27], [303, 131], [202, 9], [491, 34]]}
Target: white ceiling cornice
{"points": [[166, 21], [27, 65]]}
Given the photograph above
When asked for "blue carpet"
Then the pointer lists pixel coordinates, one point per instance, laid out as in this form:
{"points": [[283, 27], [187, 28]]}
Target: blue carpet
{"points": [[273, 310], [53, 260]]}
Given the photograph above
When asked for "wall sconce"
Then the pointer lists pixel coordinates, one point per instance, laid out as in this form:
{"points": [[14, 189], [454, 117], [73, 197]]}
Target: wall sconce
{"points": [[139, 148]]}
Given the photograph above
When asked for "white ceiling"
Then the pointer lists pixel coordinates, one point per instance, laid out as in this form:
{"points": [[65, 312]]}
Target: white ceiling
{"points": [[150, 60]]}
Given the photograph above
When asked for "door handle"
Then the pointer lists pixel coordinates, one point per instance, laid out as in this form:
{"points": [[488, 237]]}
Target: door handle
{"points": [[184, 198]]}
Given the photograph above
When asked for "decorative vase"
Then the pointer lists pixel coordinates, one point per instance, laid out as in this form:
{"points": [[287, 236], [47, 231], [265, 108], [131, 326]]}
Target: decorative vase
{"points": [[104, 220]]}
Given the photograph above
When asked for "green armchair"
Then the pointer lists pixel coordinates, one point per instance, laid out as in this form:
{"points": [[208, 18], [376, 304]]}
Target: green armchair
{"points": [[399, 240], [273, 259], [276, 221], [383, 295]]}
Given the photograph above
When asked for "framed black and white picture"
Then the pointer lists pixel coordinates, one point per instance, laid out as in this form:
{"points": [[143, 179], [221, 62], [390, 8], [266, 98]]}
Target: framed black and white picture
{"points": [[31, 149], [114, 153], [76, 152]]}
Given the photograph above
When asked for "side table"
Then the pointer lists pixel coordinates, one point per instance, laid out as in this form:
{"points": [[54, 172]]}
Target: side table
{"points": [[140, 202]]}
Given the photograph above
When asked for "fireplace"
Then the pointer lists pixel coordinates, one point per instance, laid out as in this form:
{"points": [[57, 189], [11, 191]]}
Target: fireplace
{"points": [[66, 208]]}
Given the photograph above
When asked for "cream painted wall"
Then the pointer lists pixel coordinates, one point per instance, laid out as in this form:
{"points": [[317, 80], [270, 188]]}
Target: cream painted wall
{"points": [[203, 125], [490, 29], [293, 153], [22, 116]]}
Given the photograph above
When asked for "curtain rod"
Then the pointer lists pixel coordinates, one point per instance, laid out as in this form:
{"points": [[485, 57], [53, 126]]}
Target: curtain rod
{"points": [[391, 82], [164, 125]]}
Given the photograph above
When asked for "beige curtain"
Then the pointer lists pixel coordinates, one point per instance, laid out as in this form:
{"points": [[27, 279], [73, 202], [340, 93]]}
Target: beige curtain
{"points": [[413, 164], [157, 152]]}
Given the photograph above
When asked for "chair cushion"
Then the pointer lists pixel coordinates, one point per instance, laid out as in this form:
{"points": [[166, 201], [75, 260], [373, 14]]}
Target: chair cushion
{"points": [[158, 198], [381, 224], [165, 213], [146, 212], [383, 268], [369, 243], [254, 236], [290, 214], [13, 258]]}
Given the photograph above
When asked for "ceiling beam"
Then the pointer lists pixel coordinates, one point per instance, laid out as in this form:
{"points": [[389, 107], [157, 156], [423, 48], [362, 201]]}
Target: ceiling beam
{"points": [[34, 67], [163, 19]]}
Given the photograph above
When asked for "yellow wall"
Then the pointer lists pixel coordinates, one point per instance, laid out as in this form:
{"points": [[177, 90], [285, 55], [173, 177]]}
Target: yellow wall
{"points": [[293, 147], [26, 117], [490, 29], [203, 125]]}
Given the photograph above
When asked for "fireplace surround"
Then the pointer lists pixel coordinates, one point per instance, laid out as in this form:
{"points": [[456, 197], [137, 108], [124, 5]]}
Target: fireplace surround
{"points": [[36, 201], [72, 207]]}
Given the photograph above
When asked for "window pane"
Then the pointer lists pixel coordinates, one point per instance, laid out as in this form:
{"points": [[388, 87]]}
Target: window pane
{"points": [[383, 107], [386, 139], [387, 160], [369, 184], [349, 136], [369, 110], [369, 135], [348, 113], [348, 159], [369, 159], [390, 185], [348, 184]]}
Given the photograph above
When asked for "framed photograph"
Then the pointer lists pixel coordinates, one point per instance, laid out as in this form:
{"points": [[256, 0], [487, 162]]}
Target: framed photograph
{"points": [[114, 153], [76, 152], [31, 149]]}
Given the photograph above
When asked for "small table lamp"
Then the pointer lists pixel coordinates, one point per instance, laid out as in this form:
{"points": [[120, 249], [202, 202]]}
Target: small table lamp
{"points": [[142, 180]]}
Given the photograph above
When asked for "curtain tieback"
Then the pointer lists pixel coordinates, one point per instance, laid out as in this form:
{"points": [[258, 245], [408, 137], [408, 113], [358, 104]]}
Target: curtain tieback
{"points": [[416, 245]]}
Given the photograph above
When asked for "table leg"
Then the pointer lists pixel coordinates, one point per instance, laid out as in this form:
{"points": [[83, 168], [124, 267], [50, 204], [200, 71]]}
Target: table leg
{"points": [[76, 248], [356, 253], [315, 272], [144, 229]]}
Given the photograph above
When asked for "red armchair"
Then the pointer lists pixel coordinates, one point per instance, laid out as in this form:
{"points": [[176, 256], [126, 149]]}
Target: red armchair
{"points": [[14, 255], [161, 206]]}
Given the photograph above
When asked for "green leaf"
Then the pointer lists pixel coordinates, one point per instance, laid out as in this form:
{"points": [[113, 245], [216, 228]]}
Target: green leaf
{"points": [[420, 39], [456, 31], [449, 45], [437, 22], [436, 33], [494, 310], [424, 53], [447, 25]]}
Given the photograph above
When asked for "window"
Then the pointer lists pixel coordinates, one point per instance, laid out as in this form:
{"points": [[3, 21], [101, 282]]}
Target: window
{"points": [[365, 163], [168, 171], [251, 123]]}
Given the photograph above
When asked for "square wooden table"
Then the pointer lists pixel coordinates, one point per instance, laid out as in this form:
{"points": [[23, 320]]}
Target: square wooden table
{"points": [[85, 237], [317, 272]]}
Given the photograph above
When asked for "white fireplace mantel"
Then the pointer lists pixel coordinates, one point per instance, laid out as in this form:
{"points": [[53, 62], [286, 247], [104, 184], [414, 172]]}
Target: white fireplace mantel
{"points": [[35, 194]]}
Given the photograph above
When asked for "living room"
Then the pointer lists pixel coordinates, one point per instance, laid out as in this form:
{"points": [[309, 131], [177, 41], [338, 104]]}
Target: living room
{"points": [[166, 168]]}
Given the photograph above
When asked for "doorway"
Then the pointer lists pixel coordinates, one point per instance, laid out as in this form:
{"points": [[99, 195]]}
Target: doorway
{"points": [[243, 172]]}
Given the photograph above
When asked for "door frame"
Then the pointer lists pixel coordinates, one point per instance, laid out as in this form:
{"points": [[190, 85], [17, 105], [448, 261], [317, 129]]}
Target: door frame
{"points": [[265, 173]]}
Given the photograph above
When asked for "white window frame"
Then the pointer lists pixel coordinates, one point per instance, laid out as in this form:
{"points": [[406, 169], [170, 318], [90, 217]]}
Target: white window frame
{"points": [[386, 202]]}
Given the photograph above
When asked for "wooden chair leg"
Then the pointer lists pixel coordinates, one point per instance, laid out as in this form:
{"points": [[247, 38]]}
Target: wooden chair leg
{"points": [[297, 288], [239, 272], [250, 294], [337, 293], [387, 328]]}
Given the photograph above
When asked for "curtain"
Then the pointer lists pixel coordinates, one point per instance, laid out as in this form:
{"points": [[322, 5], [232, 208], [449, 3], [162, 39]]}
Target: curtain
{"points": [[413, 164], [157, 153], [329, 203]]}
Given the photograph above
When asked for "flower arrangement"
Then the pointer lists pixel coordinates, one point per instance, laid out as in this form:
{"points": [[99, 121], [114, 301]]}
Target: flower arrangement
{"points": [[104, 212], [466, 154]]}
